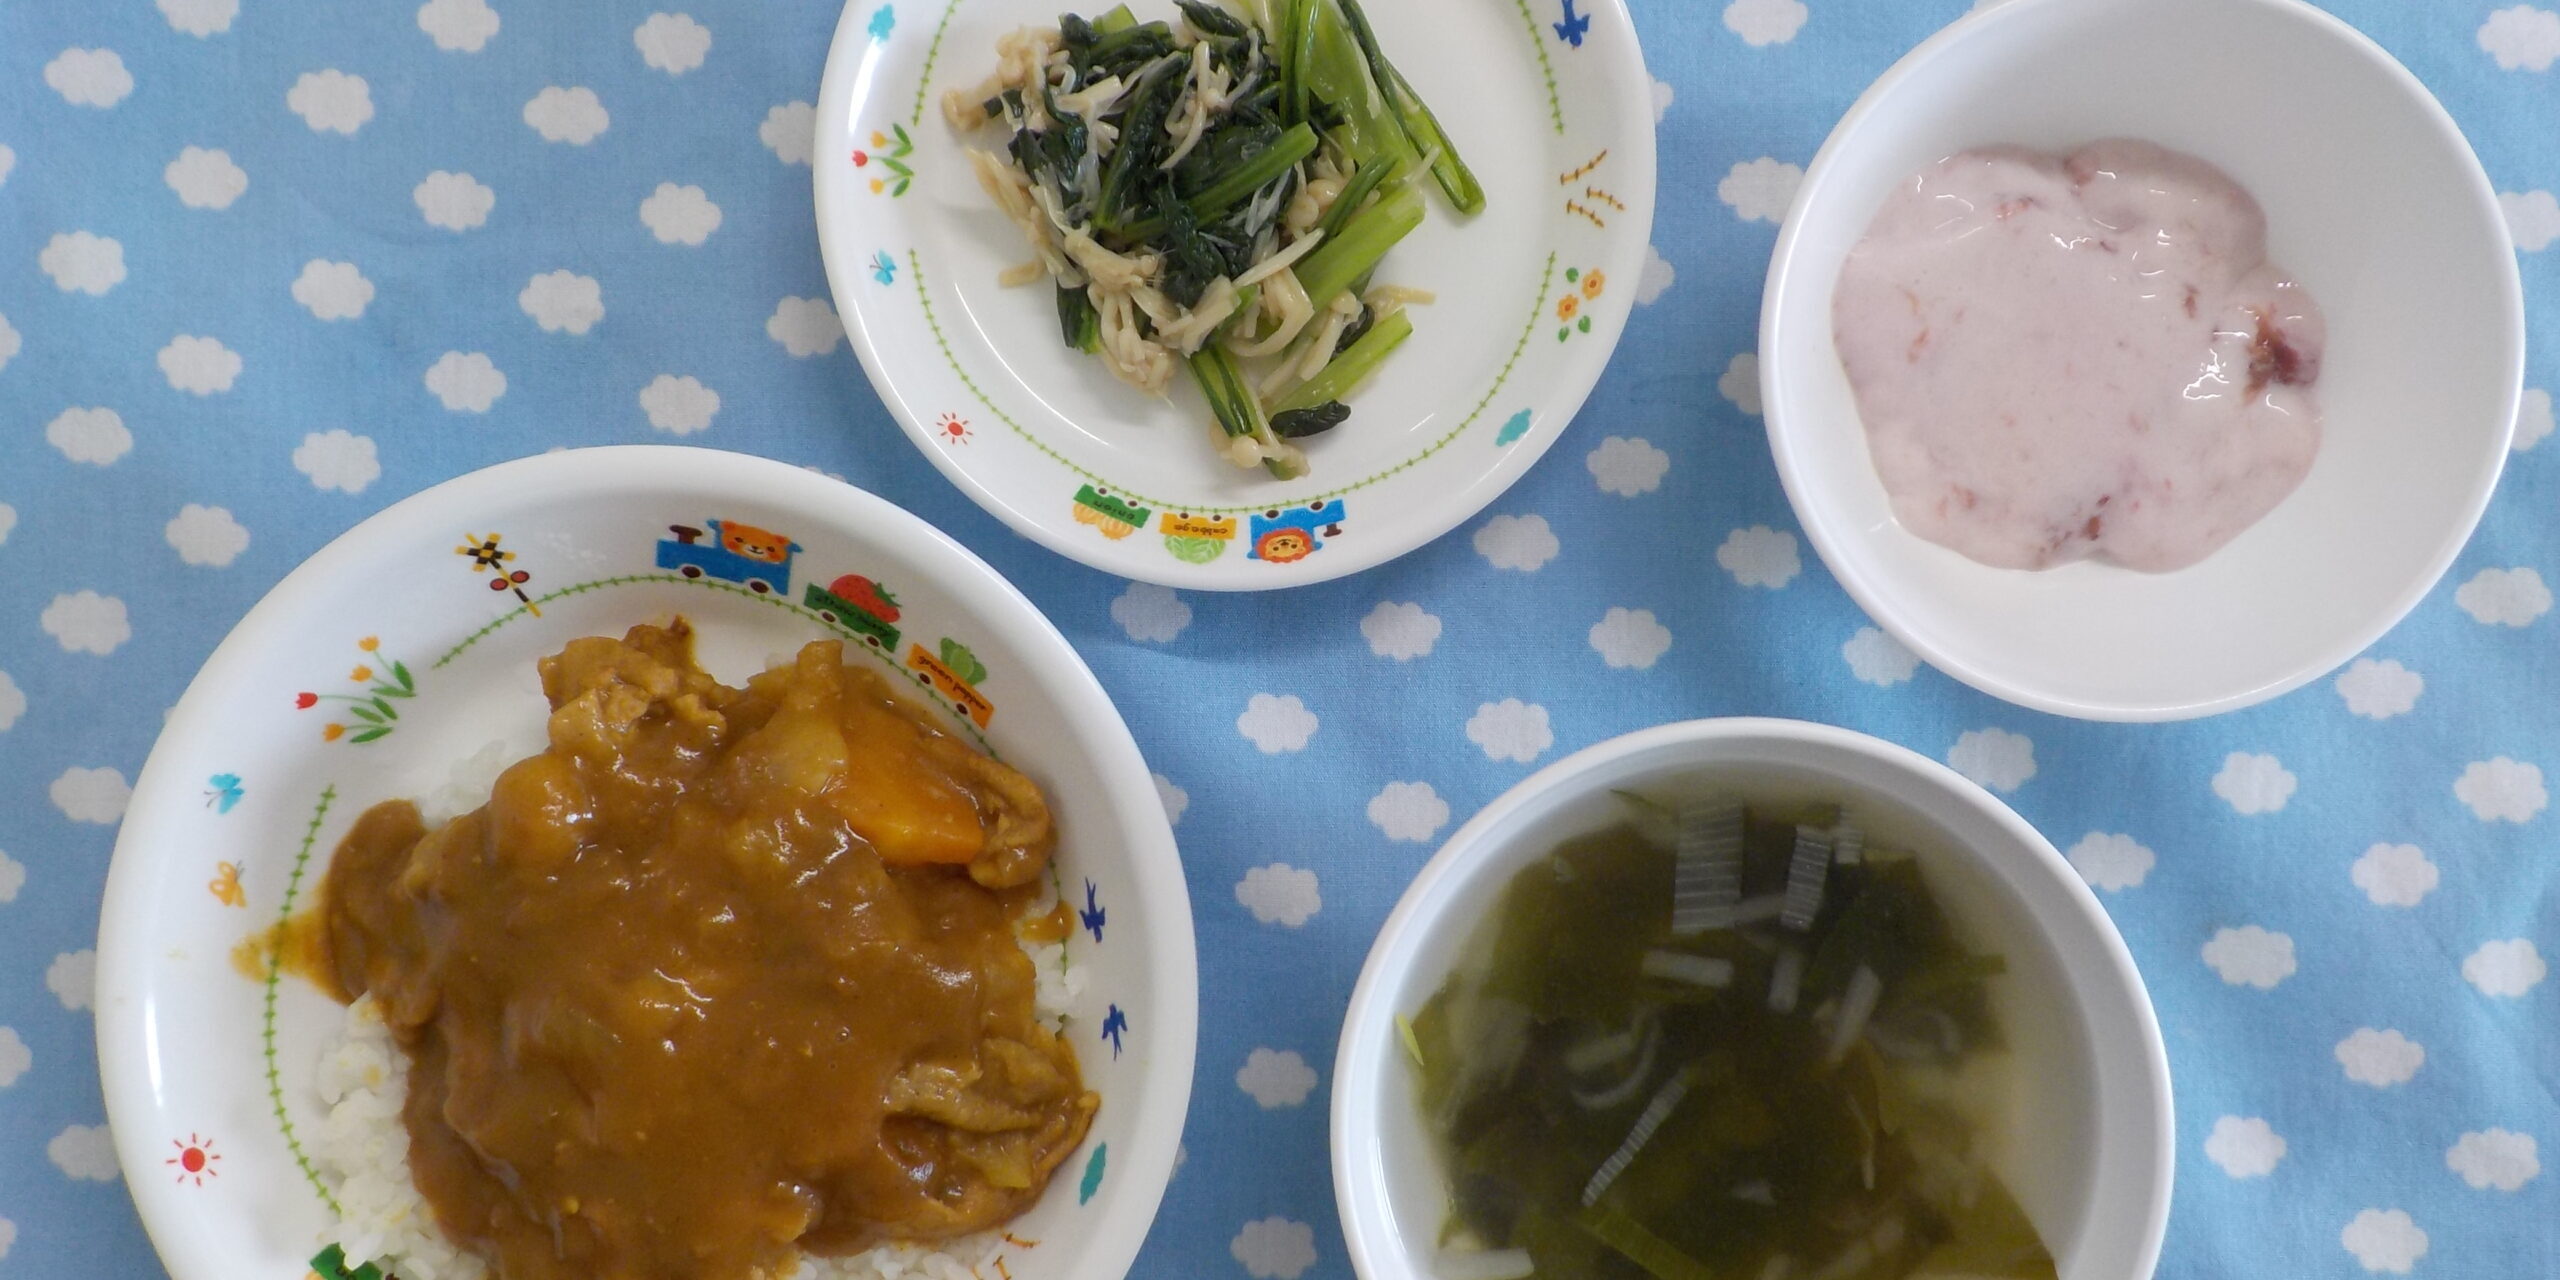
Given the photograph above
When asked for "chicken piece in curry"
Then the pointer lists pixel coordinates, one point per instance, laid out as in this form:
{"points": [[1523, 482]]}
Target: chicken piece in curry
{"points": [[721, 976]]}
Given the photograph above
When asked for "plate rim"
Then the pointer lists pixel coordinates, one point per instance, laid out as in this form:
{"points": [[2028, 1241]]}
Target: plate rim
{"points": [[1630, 85], [124, 1017]]}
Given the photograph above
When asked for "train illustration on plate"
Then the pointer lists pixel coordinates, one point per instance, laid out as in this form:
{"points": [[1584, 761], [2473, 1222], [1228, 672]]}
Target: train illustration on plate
{"points": [[759, 559], [858, 605], [755, 558], [1279, 535]]}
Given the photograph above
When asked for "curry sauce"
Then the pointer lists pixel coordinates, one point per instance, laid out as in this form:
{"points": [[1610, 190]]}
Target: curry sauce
{"points": [[720, 976]]}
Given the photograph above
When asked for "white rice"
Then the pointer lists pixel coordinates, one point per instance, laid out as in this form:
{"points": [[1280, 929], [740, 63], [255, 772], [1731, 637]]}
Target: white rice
{"points": [[467, 787], [362, 1151]]}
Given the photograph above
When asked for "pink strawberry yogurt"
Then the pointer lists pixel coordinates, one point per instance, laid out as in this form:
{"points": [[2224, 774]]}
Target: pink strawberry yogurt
{"points": [[2059, 358]]}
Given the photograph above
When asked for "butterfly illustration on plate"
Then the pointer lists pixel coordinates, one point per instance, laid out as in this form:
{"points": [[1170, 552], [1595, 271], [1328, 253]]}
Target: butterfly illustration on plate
{"points": [[224, 792], [226, 885], [884, 268]]}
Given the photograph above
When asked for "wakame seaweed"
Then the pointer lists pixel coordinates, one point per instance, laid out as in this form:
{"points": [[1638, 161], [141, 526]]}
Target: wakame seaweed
{"points": [[1623, 1099]]}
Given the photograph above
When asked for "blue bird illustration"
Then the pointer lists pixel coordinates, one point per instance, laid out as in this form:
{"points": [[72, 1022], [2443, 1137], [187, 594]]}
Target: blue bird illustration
{"points": [[1092, 913], [1113, 1024], [884, 268], [225, 792], [1574, 25], [883, 21]]}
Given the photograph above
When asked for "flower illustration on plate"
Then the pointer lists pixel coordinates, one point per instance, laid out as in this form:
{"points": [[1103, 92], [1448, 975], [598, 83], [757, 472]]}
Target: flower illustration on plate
{"points": [[889, 151], [1579, 286], [370, 715], [486, 556]]}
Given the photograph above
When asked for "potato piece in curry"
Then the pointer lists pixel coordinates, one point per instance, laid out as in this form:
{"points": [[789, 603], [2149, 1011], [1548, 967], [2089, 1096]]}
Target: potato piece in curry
{"points": [[721, 976]]}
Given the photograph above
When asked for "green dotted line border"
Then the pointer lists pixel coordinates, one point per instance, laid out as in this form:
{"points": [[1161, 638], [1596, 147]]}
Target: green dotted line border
{"points": [[958, 715], [1537, 310], [933, 50], [1546, 69], [275, 976]]}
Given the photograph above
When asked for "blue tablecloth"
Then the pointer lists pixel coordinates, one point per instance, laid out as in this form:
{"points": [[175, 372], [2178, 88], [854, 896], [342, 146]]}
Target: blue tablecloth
{"points": [[268, 265]]}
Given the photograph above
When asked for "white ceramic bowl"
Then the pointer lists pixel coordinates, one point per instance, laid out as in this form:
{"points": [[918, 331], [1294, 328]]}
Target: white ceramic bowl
{"points": [[2092, 1157], [2373, 200], [247, 792]]}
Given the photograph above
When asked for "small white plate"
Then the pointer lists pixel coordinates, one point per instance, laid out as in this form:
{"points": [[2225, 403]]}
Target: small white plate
{"points": [[388, 657], [1552, 110], [2373, 201]]}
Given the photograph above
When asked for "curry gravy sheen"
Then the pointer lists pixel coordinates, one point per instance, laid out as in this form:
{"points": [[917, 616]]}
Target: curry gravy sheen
{"points": [[721, 976]]}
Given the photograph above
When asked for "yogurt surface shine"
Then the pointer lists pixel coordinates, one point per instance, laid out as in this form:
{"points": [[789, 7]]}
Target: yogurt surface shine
{"points": [[2058, 358]]}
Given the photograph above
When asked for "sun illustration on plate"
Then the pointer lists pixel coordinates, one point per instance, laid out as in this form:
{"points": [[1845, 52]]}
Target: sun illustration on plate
{"points": [[195, 1159], [951, 428]]}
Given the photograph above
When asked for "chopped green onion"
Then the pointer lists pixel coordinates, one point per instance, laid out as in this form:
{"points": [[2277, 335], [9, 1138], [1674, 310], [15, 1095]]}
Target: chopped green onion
{"points": [[1483, 1264], [1648, 1046], [1659, 1257], [1857, 1005], [1848, 846], [1657, 823], [1786, 980], [1759, 909], [1680, 966], [1948, 975]]}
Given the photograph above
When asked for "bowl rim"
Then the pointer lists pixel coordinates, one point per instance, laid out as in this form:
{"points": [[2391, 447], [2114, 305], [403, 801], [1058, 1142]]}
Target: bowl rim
{"points": [[848, 70], [1358, 1075], [123, 1019], [1778, 402]]}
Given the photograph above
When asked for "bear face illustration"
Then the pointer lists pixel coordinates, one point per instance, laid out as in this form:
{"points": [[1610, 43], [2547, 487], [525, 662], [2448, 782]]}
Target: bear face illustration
{"points": [[754, 543]]}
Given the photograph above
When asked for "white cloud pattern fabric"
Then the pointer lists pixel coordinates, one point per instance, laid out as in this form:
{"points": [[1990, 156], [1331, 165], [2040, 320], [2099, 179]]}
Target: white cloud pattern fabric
{"points": [[418, 237]]}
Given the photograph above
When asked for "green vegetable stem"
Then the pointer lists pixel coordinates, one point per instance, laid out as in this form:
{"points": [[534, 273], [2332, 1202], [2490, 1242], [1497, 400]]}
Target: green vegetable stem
{"points": [[1238, 410], [1350, 368]]}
